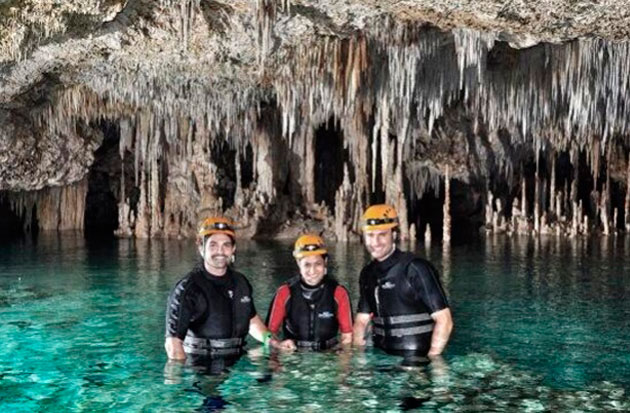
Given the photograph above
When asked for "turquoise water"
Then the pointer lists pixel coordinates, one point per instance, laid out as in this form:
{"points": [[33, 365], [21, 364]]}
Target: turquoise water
{"points": [[540, 326]]}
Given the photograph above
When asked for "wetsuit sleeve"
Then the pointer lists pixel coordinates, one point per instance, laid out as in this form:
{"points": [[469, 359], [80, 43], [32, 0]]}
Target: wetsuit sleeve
{"points": [[180, 309], [278, 309], [252, 312], [344, 309], [425, 282], [364, 306]]}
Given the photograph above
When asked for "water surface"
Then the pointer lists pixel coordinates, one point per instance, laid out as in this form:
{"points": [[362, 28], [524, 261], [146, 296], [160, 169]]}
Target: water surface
{"points": [[541, 325]]}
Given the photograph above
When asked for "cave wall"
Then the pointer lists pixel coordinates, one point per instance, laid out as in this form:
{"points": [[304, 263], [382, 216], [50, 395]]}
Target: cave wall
{"points": [[409, 98]]}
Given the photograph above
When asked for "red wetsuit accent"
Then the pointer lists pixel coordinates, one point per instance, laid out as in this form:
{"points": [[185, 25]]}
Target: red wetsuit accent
{"points": [[279, 312]]}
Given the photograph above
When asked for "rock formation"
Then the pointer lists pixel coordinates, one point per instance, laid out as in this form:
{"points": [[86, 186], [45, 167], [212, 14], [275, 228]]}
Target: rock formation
{"points": [[140, 116]]}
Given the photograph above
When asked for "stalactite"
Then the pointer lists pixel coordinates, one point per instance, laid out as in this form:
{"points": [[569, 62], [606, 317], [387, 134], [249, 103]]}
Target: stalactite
{"points": [[575, 222], [557, 208], [56, 208], [398, 197], [309, 167], [72, 206], [126, 220], [574, 189], [585, 226], [566, 198], [238, 195], [604, 209], [385, 152], [267, 13], [552, 190], [446, 210], [406, 77], [513, 224], [413, 234], [489, 211], [537, 197], [495, 217], [264, 166], [627, 203], [143, 218], [154, 196], [523, 197], [343, 211]]}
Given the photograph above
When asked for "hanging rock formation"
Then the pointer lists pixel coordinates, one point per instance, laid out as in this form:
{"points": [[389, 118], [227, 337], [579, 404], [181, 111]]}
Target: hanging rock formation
{"points": [[293, 115]]}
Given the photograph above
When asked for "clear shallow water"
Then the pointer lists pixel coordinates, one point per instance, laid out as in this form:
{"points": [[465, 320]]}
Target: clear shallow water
{"points": [[540, 326]]}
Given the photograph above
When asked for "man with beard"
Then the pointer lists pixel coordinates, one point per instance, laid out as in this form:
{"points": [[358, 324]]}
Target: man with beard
{"points": [[211, 310], [399, 293]]}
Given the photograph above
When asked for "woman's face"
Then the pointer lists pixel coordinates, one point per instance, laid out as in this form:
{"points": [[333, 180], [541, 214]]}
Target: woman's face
{"points": [[312, 269]]}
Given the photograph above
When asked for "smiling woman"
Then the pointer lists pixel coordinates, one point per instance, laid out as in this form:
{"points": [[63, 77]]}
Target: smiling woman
{"points": [[312, 308]]}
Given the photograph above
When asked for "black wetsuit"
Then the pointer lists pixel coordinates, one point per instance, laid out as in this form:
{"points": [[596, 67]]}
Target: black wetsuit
{"points": [[311, 314], [401, 292], [211, 314]]}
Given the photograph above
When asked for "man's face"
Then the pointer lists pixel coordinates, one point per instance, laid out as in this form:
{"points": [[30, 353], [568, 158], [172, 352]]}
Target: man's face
{"points": [[217, 253], [312, 269], [379, 243]]}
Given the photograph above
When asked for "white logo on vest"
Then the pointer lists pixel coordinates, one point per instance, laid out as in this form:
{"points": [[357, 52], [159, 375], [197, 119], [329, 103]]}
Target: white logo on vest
{"points": [[388, 285]]}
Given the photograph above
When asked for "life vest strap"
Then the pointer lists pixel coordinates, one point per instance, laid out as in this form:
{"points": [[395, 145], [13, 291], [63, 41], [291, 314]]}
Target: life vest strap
{"points": [[400, 319], [317, 345], [400, 332], [213, 346], [393, 326]]}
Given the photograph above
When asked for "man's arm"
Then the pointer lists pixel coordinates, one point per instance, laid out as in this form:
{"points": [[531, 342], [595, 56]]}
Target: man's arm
{"points": [[361, 322], [174, 348], [441, 331], [258, 330], [424, 277], [346, 339], [363, 317], [178, 315]]}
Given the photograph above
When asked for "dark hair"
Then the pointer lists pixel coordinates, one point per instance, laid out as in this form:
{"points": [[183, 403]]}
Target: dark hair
{"points": [[232, 239]]}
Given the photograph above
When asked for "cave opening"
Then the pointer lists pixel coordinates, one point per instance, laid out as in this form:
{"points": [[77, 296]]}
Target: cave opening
{"points": [[427, 212], [377, 196], [11, 223], [101, 203], [247, 166], [330, 156], [224, 157], [466, 209]]}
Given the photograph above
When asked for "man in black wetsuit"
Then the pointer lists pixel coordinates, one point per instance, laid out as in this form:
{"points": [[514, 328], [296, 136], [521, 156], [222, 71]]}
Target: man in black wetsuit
{"points": [[400, 293], [211, 310]]}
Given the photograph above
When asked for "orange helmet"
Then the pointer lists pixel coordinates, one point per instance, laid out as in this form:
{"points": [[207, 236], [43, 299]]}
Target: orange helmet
{"points": [[216, 225], [307, 245], [381, 216]]}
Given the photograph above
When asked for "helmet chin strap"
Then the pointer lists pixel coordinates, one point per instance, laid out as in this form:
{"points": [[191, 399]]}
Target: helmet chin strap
{"points": [[202, 249], [390, 252]]}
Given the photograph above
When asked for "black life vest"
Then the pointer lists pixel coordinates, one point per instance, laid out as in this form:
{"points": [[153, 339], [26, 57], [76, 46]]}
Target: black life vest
{"points": [[312, 323], [224, 322], [401, 321]]}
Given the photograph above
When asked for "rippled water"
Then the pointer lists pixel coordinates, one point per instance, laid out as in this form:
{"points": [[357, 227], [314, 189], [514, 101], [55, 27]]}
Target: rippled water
{"points": [[540, 326]]}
